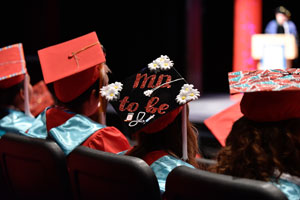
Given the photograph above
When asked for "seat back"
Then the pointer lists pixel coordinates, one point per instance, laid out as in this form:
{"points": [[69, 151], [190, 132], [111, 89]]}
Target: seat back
{"points": [[102, 175], [3, 186], [33, 168], [188, 183], [205, 163]]}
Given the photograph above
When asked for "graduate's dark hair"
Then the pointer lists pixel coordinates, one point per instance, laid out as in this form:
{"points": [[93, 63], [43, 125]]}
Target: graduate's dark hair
{"points": [[170, 140], [8, 95], [256, 150], [75, 105]]}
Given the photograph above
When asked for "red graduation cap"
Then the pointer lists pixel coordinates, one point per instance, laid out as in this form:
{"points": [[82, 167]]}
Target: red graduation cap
{"points": [[269, 96], [41, 98], [221, 123], [12, 65], [72, 65]]}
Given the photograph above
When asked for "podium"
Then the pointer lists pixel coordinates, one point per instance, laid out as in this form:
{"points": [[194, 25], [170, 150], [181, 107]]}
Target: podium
{"points": [[275, 51]]}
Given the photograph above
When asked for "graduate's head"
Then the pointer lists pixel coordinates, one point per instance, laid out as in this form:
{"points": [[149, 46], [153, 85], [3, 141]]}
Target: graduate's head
{"points": [[152, 101], [13, 74], [75, 69], [267, 96], [10, 96], [266, 135]]}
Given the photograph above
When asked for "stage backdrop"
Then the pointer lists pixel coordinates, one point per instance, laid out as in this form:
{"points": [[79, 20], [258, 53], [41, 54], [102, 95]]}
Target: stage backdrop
{"points": [[247, 21]]}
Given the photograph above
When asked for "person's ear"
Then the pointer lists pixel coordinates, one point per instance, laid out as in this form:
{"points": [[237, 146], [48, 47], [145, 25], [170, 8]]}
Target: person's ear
{"points": [[93, 95], [21, 94], [93, 100], [90, 104]]}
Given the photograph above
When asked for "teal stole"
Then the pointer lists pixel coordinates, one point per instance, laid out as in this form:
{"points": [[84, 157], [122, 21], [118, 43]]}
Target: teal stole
{"points": [[16, 122], [163, 166], [69, 135]]}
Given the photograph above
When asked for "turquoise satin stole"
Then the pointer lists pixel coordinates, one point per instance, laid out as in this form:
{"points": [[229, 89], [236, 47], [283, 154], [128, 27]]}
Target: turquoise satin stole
{"points": [[163, 166], [290, 189], [68, 135], [38, 128], [16, 122], [73, 132]]}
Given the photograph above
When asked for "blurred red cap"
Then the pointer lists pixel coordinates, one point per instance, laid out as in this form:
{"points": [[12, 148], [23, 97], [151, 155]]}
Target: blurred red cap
{"points": [[12, 65]]}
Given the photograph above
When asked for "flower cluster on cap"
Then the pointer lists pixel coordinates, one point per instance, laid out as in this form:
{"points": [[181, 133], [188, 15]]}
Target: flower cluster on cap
{"points": [[162, 63], [187, 93], [112, 91]]}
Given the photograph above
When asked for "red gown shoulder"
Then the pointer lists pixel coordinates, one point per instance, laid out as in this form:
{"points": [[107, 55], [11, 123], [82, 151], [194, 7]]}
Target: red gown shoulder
{"points": [[109, 139]]}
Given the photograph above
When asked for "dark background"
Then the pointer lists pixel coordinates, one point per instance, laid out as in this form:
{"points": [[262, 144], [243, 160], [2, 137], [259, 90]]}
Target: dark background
{"points": [[133, 32]]}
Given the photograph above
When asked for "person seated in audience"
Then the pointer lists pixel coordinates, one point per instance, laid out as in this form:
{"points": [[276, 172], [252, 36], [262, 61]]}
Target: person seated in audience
{"points": [[153, 106], [15, 91], [74, 71], [264, 144], [160, 145]]}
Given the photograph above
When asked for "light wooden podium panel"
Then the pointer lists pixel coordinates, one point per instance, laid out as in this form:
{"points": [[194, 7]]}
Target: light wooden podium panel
{"points": [[260, 41]]}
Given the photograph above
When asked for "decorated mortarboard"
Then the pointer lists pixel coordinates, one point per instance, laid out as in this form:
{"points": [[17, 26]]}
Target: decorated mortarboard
{"points": [[149, 94], [13, 70], [71, 65], [12, 65], [269, 95], [144, 98], [264, 80]]}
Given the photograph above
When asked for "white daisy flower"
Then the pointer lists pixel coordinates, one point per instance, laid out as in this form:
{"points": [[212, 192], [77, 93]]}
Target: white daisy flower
{"points": [[148, 93], [187, 87], [118, 86], [112, 94], [104, 90], [181, 98], [193, 95], [187, 93], [166, 65], [154, 66], [162, 59], [111, 91], [161, 63]]}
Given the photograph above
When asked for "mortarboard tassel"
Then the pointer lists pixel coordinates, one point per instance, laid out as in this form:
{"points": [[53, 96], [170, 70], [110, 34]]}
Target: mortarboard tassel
{"points": [[26, 97], [102, 106], [184, 134]]}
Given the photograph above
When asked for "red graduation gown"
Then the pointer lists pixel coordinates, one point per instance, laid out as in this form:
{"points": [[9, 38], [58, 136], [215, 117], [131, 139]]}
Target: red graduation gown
{"points": [[108, 139]]}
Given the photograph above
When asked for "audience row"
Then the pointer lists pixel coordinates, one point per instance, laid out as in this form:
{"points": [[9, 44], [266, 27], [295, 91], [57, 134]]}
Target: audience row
{"points": [[263, 142]]}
